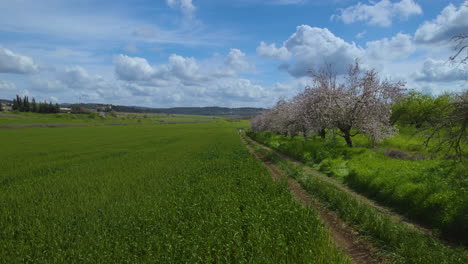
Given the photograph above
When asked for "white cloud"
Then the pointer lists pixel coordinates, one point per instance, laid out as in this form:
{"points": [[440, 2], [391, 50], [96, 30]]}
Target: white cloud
{"points": [[132, 68], [186, 6], [313, 47], [184, 69], [188, 80], [379, 13], [442, 71], [237, 61], [11, 62], [271, 51], [450, 22], [6, 86], [398, 47]]}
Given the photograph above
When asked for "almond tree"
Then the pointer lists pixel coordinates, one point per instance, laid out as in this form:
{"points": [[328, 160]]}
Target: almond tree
{"points": [[357, 103], [361, 104]]}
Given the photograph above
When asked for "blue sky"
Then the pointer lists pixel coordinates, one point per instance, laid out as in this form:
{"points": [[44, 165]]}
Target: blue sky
{"points": [[218, 52]]}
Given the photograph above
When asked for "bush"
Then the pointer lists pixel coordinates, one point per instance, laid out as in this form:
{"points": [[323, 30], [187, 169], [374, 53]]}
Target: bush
{"points": [[93, 115]]}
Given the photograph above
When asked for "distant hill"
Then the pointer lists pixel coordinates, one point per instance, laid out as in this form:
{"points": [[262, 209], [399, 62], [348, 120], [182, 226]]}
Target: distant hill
{"points": [[5, 101], [210, 111]]}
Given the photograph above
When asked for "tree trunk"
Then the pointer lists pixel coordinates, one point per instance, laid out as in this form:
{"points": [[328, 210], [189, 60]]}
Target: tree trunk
{"points": [[322, 133], [347, 136]]}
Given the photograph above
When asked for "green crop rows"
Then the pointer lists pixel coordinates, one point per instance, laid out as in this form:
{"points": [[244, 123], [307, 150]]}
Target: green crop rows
{"points": [[181, 193]]}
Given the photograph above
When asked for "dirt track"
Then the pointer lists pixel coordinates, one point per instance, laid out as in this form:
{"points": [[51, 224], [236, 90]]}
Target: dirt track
{"points": [[345, 237], [346, 189]]}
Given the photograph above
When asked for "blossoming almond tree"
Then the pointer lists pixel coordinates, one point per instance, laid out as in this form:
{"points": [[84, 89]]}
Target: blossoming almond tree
{"points": [[358, 102]]}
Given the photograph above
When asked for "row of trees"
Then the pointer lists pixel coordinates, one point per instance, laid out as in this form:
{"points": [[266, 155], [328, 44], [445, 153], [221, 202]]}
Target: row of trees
{"points": [[24, 105], [359, 102]]}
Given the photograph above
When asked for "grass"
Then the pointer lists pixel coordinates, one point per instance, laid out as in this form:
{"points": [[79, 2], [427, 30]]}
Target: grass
{"points": [[180, 193], [396, 240], [432, 191]]}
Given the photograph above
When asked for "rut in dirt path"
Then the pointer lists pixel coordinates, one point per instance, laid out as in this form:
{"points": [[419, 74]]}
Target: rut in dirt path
{"points": [[345, 237], [358, 196]]}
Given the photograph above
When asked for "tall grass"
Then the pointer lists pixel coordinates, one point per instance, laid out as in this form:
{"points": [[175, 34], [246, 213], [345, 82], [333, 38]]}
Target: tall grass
{"points": [[433, 191]]}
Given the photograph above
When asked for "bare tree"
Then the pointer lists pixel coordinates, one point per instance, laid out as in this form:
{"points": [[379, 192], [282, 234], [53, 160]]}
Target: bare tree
{"points": [[449, 132], [461, 46]]}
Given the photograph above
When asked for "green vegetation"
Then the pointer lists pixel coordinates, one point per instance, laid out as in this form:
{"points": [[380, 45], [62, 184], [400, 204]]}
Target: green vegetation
{"points": [[180, 193], [419, 109], [23, 105], [432, 191], [396, 240]]}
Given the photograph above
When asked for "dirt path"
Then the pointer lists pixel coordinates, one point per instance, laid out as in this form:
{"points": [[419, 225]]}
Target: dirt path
{"points": [[346, 189], [345, 237]]}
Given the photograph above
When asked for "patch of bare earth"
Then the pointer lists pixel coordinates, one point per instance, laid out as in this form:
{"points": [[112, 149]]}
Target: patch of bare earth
{"points": [[345, 237]]}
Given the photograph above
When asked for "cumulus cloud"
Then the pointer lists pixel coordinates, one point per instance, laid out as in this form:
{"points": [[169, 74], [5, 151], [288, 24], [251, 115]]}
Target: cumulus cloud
{"points": [[450, 22], [271, 51], [11, 62], [240, 89], [398, 47], [186, 6], [7, 86], [379, 13], [185, 69], [236, 61], [311, 47], [189, 79], [442, 71], [132, 68]]}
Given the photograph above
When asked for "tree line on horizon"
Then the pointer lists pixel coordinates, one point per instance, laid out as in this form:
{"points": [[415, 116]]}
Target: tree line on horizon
{"points": [[24, 105]]}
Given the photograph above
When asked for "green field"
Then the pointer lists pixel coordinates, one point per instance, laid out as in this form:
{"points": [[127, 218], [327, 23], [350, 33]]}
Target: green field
{"points": [[181, 193], [30, 119]]}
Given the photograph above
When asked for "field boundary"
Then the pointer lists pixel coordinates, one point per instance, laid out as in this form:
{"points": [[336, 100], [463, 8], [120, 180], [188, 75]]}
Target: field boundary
{"points": [[358, 249]]}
